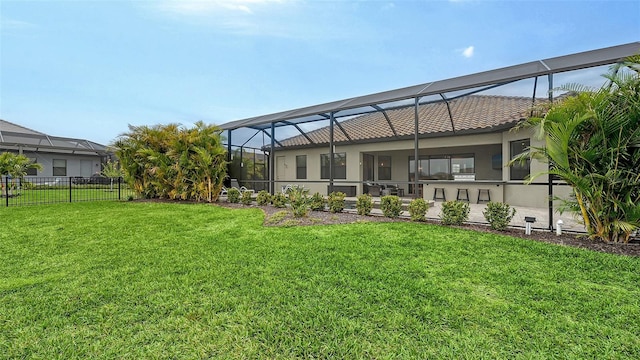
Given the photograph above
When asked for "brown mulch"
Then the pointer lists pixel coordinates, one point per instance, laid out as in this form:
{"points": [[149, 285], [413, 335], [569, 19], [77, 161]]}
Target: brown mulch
{"points": [[283, 217]]}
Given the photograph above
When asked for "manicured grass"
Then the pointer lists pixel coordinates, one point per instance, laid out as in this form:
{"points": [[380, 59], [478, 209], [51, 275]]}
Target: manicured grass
{"points": [[150, 280], [62, 194]]}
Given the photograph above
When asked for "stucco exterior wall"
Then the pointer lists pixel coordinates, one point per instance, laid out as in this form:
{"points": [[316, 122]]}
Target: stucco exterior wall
{"points": [[77, 165]]}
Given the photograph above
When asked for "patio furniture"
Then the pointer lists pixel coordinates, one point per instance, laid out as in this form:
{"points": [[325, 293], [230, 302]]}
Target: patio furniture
{"points": [[438, 194], [482, 192], [463, 195], [235, 184]]}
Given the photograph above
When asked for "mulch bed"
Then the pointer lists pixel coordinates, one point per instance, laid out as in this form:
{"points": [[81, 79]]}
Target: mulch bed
{"points": [[326, 218]]}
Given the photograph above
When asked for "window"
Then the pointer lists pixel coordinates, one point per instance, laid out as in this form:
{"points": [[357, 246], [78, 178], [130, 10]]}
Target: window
{"points": [[32, 171], [339, 166], [384, 167], [59, 167], [462, 164], [301, 166], [519, 171], [442, 167]]}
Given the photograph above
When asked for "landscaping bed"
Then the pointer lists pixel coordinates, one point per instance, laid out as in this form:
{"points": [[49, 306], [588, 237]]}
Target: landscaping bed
{"points": [[281, 217]]}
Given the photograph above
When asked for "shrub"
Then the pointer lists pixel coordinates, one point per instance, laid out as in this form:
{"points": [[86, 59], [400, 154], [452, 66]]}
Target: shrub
{"points": [[336, 201], [418, 209], [317, 202], [391, 206], [233, 195], [454, 212], [364, 204], [246, 198], [498, 215], [299, 201], [279, 200], [263, 198]]}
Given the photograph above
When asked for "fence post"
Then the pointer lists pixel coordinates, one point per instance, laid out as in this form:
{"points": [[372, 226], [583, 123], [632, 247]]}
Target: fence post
{"points": [[119, 178], [70, 200], [6, 190]]}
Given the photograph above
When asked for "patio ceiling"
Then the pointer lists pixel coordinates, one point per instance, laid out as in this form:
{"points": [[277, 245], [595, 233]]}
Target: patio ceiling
{"points": [[473, 83]]}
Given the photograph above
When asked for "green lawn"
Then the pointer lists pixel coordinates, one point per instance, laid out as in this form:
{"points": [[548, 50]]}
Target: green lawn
{"points": [[149, 280], [62, 194]]}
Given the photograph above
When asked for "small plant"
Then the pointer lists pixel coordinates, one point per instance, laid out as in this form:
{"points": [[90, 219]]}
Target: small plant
{"points": [[279, 200], [263, 198], [233, 195], [498, 215], [317, 202], [336, 201], [391, 206], [454, 212], [299, 202], [277, 217], [130, 198], [246, 198], [364, 204], [418, 209]]}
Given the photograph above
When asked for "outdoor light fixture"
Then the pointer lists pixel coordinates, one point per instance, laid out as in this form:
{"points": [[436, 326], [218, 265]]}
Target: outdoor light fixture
{"points": [[529, 220], [559, 227]]}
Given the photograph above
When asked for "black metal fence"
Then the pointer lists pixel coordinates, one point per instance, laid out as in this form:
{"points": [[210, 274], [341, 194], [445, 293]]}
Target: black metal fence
{"points": [[50, 190]]}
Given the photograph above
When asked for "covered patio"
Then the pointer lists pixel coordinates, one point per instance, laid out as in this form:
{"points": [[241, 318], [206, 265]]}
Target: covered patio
{"points": [[427, 105]]}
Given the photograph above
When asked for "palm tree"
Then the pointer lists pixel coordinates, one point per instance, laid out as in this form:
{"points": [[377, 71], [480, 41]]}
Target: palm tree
{"points": [[16, 166], [592, 141], [111, 170]]}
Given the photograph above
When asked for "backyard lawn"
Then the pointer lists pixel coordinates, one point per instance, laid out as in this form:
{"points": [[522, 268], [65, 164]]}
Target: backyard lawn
{"points": [[159, 280]]}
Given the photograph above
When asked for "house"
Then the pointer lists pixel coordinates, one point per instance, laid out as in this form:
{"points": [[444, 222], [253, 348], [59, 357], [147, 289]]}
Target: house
{"points": [[464, 145], [445, 139], [58, 156]]}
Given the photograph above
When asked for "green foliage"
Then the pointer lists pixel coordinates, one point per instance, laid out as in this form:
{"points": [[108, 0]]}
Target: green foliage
{"points": [[454, 212], [233, 195], [391, 206], [16, 165], [591, 140], [335, 201], [364, 204], [111, 169], [263, 198], [299, 201], [418, 209], [317, 202], [498, 215], [246, 198], [279, 200], [167, 161]]}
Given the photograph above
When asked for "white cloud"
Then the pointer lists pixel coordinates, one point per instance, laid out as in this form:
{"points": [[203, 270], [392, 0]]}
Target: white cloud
{"points": [[11, 24], [204, 7], [468, 52]]}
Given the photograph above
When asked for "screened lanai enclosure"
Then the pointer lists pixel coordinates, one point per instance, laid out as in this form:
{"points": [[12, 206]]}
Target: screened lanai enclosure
{"points": [[442, 140]]}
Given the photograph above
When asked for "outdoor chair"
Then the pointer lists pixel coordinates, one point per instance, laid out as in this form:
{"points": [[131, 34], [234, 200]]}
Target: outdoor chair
{"points": [[235, 184]]}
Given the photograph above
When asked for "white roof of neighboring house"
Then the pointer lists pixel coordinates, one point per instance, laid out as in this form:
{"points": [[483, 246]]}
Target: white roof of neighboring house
{"points": [[14, 137]]}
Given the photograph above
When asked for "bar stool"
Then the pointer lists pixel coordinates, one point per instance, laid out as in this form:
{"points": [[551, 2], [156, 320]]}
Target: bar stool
{"points": [[463, 194], [438, 194], [484, 192]]}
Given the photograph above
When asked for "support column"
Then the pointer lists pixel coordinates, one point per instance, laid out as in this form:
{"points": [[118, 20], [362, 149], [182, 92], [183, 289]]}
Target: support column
{"points": [[550, 181], [416, 159], [272, 160], [331, 120]]}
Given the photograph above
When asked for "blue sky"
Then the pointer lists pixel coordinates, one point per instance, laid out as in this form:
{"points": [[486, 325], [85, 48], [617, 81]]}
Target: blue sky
{"points": [[87, 69]]}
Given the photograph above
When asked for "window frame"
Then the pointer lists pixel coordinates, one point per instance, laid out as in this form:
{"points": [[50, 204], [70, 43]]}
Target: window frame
{"points": [[339, 166], [519, 172], [56, 169], [384, 167], [301, 170]]}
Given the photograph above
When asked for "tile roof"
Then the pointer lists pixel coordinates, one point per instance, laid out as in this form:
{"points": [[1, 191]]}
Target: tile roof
{"points": [[471, 114]]}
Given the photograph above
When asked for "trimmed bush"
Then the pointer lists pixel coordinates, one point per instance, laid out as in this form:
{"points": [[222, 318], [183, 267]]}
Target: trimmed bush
{"points": [[336, 201], [454, 212], [246, 198], [263, 198], [498, 215], [364, 204], [233, 195], [279, 200], [418, 209], [391, 206], [299, 202], [317, 202]]}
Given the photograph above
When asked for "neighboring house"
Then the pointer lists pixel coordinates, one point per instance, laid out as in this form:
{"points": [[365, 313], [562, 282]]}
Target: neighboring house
{"points": [[468, 153], [58, 156]]}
